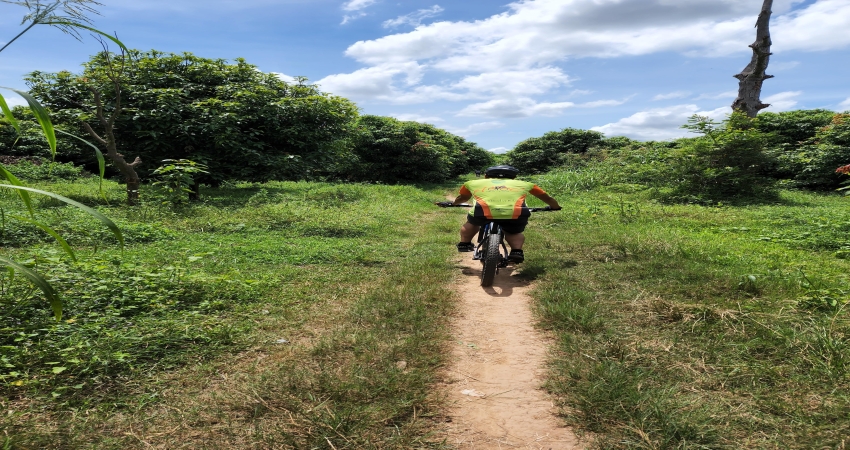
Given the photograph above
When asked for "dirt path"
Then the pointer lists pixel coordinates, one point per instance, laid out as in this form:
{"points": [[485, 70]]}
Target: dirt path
{"points": [[497, 369]]}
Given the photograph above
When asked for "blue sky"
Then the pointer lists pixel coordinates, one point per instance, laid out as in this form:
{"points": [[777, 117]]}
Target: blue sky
{"points": [[495, 72]]}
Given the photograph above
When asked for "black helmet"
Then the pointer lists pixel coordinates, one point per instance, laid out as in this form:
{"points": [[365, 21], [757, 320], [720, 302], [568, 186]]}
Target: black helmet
{"points": [[502, 171]]}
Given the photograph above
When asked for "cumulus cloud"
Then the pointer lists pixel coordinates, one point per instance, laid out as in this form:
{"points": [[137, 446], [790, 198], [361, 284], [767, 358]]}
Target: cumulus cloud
{"points": [[535, 32], [720, 96], [659, 123], [499, 150], [13, 100], [845, 104], [415, 18], [475, 128], [285, 77], [373, 82], [671, 95], [782, 101], [515, 108]]}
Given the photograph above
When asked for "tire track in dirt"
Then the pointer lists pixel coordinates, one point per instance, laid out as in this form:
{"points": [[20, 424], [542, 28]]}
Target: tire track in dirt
{"points": [[497, 368]]}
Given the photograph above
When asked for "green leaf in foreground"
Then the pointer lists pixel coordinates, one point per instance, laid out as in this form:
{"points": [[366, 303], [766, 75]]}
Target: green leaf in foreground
{"points": [[25, 197], [101, 162], [41, 115], [8, 113], [41, 283], [52, 232], [92, 212]]}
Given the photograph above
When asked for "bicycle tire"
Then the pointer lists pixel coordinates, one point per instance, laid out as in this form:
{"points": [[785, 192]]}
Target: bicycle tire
{"points": [[491, 260]]}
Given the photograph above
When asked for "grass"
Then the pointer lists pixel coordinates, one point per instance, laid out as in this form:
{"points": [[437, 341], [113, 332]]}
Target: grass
{"points": [[294, 315], [684, 326]]}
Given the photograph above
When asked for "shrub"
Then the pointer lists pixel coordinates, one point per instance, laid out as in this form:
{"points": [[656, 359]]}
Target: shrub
{"points": [[727, 163], [41, 169], [830, 148], [553, 149]]}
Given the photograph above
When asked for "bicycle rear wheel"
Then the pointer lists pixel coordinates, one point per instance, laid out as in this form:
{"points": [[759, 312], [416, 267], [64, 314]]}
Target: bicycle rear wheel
{"points": [[491, 260]]}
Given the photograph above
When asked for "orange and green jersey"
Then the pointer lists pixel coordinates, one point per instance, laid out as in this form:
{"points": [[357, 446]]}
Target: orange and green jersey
{"points": [[497, 198]]}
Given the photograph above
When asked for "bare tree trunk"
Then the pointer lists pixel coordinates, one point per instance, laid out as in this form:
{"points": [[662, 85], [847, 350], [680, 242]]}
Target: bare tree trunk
{"points": [[752, 77]]}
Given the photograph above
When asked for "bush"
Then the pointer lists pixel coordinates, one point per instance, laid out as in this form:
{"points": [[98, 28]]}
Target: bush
{"points": [[727, 163], [554, 149], [829, 149], [41, 169]]}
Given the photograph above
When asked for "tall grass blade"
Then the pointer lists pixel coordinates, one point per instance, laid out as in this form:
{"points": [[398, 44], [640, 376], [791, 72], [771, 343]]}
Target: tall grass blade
{"points": [[101, 162], [25, 197], [52, 232], [42, 116], [8, 114], [41, 283], [93, 30], [92, 212]]}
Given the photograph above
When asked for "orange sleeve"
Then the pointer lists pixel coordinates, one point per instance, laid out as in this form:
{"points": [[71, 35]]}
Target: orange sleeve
{"points": [[537, 192], [464, 191]]}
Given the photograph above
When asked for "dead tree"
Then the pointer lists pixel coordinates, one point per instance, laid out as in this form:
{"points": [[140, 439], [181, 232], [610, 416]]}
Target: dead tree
{"points": [[107, 124], [752, 77]]}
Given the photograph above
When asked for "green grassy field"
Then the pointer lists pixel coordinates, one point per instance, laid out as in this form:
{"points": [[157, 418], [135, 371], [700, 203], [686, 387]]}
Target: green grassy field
{"points": [[314, 315]]}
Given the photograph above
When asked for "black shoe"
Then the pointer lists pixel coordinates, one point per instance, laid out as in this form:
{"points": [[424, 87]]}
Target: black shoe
{"points": [[465, 247], [516, 256]]}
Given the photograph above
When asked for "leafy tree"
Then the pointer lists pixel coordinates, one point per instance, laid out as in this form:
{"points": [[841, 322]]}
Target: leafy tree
{"points": [[538, 155], [239, 122], [388, 150]]}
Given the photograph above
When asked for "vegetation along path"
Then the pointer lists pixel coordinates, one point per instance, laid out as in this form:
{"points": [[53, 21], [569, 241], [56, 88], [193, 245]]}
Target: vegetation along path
{"points": [[497, 368]]}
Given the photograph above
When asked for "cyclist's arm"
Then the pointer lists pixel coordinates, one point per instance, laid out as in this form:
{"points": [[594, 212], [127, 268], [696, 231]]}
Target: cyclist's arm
{"points": [[546, 198], [463, 196]]}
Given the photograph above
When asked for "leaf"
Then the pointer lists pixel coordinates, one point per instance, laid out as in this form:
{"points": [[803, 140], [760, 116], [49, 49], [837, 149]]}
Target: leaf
{"points": [[50, 231], [42, 116], [101, 163], [25, 197], [94, 213], [8, 113], [58, 370], [41, 283], [93, 30]]}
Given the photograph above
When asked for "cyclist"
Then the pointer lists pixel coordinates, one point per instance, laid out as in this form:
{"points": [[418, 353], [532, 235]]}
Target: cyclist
{"points": [[499, 198]]}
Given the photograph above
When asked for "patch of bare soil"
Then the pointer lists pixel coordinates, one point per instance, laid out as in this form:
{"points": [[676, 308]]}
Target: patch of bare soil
{"points": [[497, 368]]}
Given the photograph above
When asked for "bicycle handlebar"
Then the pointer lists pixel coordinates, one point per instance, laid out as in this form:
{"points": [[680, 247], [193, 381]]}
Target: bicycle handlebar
{"points": [[451, 205]]}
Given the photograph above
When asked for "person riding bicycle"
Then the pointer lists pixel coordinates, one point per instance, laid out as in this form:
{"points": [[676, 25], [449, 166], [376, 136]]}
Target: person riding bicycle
{"points": [[499, 198]]}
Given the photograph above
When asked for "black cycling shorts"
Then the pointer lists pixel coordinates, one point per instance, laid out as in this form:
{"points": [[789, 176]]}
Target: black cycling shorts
{"points": [[511, 226]]}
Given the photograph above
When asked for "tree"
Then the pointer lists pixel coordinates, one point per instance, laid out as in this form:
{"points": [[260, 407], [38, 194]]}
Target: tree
{"points": [[239, 122], [751, 78], [553, 149]]}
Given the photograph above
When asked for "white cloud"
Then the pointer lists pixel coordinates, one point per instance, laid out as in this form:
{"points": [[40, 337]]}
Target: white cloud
{"points": [[357, 5], [514, 108], [475, 128], [720, 96], [659, 123], [499, 150], [671, 95], [782, 101], [372, 82], [845, 104], [540, 32], [415, 18], [822, 25], [285, 77]]}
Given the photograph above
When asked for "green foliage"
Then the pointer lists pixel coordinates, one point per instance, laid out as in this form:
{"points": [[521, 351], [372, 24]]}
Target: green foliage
{"points": [[817, 160], [209, 111], [177, 176], [40, 169], [390, 151], [727, 163], [553, 149]]}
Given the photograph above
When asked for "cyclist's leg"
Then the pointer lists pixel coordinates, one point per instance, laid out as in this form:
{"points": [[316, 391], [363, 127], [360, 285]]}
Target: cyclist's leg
{"points": [[467, 233], [514, 237], [515, 240]]}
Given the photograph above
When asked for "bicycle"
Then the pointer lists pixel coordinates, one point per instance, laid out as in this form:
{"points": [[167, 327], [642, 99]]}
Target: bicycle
{"points": [[491, 249]]}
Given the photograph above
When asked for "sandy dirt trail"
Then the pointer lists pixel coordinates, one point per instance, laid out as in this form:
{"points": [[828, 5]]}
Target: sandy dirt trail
{"points": [[497, 369]]}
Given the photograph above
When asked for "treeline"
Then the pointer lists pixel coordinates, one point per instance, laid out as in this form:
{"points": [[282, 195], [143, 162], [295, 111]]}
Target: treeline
{"points": [[241, 123], [738, 158]]}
